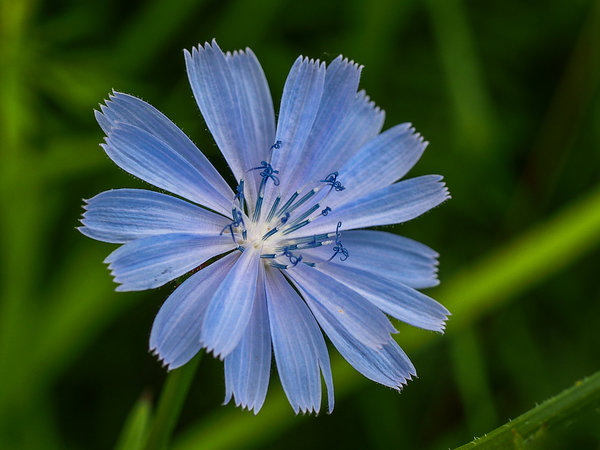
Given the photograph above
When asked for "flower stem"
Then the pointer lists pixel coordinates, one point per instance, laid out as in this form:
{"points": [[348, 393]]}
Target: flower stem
{"points": [[169, 406]]}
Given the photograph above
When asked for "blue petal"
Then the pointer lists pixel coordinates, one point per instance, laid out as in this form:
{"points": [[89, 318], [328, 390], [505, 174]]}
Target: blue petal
{"points": [[395, 258], [175, 335], [231, 306], [123, 109], [387, 365], [148, 157], [380, 162], [396, 203], [256, 109], [153, 261], [299, 346], [247, 368], [341, 83], [234, 99], [299, 106], [360, 123], [395, 299], [352, 311], [122, 215]]}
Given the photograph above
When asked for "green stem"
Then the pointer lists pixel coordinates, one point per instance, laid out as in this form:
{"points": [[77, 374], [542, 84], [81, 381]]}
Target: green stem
{"points": [[536, 425], [169, 406]]}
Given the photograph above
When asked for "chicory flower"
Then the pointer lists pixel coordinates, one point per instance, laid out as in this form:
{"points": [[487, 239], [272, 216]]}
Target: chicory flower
{"points": [[282, 257]]}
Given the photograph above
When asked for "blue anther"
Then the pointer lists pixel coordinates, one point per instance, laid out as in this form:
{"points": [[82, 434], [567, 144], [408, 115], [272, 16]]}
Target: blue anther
{"points": [[339, 247], [285, 217], [326, 211], [294, 260], [239, 191], [331, 180], [267, 172], [240, 194], [276, 145], [338, 233], [238, 220]]}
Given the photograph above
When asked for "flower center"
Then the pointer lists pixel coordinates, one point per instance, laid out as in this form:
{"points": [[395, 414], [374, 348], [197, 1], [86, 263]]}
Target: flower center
{"points": [[271, 230]]}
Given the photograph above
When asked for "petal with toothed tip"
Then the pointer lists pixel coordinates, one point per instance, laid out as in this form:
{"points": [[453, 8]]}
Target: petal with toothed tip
{"points": [[383, 255], [380, 162], [299, 347], [361, 123], [299, 106], [395, 299], [339, 91], [153, 160], [387, 365], [122, 109], [122, 215], [153, 261], [248, 366], [175, 335], [351, 311], [234, 99], [396, 203]]}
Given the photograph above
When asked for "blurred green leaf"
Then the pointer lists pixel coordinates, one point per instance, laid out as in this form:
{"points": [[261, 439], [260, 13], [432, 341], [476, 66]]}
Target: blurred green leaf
{"points": [[457, 50], [136, 425], [471, 377], [536, 426], [169, 407], [151, 30]]}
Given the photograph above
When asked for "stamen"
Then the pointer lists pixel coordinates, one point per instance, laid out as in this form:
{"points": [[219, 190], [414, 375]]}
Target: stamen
{"points": [[270, 233], [273, 209], [295, 227], [259, 202], [331, 180], [326, 211], [287, 204], [304, 215], [306, 196], [339, 247], [276, 145], [240, 194], [267, 172], [294, 260], [238, 220], [306, 242]]}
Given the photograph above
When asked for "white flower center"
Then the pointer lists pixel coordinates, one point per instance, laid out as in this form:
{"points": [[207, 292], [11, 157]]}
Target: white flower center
{"points": [[270, 230]]}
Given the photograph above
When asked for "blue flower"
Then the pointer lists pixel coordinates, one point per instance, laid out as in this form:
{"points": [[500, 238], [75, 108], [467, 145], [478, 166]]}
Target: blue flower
{"points": [[281, 258]]}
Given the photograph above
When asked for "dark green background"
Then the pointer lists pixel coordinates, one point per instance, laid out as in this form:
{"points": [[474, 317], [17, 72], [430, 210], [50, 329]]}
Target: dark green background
{"points": [[505, 92]]}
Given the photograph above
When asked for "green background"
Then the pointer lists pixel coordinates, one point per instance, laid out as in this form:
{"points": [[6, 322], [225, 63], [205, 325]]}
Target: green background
{"points": [[505, 92]]}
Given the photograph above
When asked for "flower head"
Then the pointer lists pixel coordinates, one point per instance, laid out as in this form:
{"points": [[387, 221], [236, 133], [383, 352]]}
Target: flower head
{"points": [[286, 259]]}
